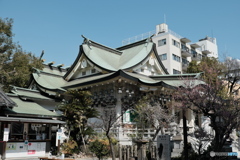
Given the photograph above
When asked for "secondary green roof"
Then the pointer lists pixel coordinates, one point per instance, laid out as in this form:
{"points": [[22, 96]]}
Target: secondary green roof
{"points": [[29, 93], [49, 81], [27, 108], [5, 100], [31, 120]]}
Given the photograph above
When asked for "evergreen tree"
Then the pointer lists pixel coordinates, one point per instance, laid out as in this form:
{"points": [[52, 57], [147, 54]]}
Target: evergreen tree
{"points": [[15, 64], [76, 111]]}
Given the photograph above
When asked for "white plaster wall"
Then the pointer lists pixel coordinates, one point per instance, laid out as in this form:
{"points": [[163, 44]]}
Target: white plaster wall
{"points": [[164, 49], [208, 45], [170, 64]]}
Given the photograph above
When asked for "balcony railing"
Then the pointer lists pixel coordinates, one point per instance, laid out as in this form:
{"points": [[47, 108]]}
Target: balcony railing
{"points": [[185, 51], [185, 64], [138, 37], [146, 35], [196, 57]]}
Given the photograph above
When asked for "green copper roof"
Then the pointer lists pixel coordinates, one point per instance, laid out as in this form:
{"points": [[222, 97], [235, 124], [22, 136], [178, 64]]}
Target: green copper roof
{"points": [[84, 80], [5, 100], [29, 93], [114, 61], [177, 83], [49, 81], [30, 108], [102, 57], [31, 120], [142, 78], [134, 55]]}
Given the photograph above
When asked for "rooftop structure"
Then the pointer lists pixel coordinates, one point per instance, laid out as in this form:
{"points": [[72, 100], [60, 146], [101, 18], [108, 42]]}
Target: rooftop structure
{"points": [[177, 51]]}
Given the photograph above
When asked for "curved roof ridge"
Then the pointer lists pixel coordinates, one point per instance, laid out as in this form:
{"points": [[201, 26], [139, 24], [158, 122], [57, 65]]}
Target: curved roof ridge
{"points": [[101, 46], [132, 44]]}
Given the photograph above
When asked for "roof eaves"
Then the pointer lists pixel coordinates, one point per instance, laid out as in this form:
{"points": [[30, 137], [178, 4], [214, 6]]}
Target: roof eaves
{"points": [[6, 101], [158, 58], [74, 64]]}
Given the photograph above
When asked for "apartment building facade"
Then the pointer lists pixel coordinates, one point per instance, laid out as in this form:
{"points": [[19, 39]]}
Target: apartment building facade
{"points": [[176, 51]]}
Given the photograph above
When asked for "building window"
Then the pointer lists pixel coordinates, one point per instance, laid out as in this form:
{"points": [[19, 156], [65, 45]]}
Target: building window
{"points": [[185, 61], [93, 70], [163, 56], [84, 73], [176, 58], [17, 128], [162, 42], [175, 43], [176, 71]]}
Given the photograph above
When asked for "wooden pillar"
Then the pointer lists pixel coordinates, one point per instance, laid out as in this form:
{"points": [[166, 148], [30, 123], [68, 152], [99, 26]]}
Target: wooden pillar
{"points": [[4, 150], [58, 146]]}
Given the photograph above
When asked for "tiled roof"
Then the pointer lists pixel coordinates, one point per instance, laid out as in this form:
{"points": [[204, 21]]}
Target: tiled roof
{"points": [[28, 108], [5, 100]]}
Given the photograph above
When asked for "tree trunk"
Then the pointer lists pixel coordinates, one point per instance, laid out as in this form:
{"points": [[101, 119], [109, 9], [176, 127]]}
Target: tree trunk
{"points": [[111, 147], [185, 141], [82, 138]]}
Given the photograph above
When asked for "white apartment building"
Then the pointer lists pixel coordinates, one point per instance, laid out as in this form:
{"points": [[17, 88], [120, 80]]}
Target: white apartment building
{"points": [[176, 51]]}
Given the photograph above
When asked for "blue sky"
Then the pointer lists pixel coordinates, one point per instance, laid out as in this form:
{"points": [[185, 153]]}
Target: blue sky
{"points": [[56, 26]]}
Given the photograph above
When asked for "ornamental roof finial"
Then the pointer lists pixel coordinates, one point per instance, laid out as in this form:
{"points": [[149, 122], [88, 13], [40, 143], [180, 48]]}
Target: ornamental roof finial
{"points": [[86, 41]]}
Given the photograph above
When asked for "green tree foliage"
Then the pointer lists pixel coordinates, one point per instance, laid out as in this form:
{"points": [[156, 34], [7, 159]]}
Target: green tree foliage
{"points": [[100, 148], [193, 67], [76, 110], [69, 147], [6, 44], [15, 64]]}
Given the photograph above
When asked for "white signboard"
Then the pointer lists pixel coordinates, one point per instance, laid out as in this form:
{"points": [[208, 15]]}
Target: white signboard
{"points": [[163, 147], [59, 136], [21, 149], [6, 134]]}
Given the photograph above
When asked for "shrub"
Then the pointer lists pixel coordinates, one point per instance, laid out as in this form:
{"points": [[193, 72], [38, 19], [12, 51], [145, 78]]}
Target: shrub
{"points": [[100, 148], [69, 147]]}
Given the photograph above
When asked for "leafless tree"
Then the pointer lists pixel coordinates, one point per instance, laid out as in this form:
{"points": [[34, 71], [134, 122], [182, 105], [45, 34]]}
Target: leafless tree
{"points": [[154, 113], [107, 122]]}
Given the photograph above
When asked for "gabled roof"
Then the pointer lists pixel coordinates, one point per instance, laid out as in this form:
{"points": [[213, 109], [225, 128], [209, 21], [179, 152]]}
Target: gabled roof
{"points": [[5, 100], [49, 82], [29, 94], [112, 64], [28, 108], [112, 60]]}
